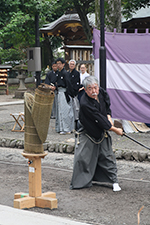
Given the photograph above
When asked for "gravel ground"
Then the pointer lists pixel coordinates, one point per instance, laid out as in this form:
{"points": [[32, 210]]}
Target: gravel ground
{"points": [[95, 205], [7, 123]]}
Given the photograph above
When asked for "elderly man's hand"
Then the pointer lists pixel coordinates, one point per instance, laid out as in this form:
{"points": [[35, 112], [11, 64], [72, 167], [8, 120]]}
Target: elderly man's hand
{"points": [[52, 88], [118, 131]]}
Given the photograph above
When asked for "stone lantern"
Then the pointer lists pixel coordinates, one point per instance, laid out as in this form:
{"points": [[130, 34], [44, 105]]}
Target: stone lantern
{"points": [[22, 75]]}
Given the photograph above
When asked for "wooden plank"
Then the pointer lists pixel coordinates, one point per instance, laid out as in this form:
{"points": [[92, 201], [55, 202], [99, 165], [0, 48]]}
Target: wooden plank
{"points": [[88, 55], [74, 54], [22, 203], [89, 71], [20, 195], [45, 202], [49, 194], [35, 187], [77, 53], [84, 55], [81, 58]]}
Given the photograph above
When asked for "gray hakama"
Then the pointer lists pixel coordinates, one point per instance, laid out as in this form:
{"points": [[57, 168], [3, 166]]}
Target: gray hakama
{"points": [[53, 113], [93, 162], [64, 112], [76, 106]]}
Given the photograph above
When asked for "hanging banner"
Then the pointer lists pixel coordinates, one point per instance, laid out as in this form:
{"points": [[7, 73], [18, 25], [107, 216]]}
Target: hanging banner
{"points": [[127, 73]]}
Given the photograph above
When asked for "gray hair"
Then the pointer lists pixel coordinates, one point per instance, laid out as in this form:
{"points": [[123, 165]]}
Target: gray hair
{"points": [[72, 60], [89, 81]]}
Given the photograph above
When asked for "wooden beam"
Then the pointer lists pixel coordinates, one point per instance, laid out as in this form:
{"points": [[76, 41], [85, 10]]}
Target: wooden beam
{"points": [[49, 194], [35, 188], [35, 197], [22, 203], [46, 202], [20, 195]]}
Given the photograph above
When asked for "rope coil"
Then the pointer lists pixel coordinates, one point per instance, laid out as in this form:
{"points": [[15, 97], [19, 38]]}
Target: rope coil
{"points": [[95, 142]]}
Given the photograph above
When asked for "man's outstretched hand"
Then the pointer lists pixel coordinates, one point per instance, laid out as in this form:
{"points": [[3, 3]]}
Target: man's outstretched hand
{"points": [[118, 131]]}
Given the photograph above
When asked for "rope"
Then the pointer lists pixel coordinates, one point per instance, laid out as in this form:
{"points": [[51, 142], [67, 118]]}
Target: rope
{"points": [[31, 133], [95, 142], [30, 126], [41, 103], [33, 144]]}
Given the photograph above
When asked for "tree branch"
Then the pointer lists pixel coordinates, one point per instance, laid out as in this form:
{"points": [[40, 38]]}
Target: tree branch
{"points": [[84, 20]]}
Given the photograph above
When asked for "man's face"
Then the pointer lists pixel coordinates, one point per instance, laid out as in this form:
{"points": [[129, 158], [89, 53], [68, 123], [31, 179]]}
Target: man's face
{"points": [[71, 65], [92, 90], [83, 69], [54, 67], [60, 65]]}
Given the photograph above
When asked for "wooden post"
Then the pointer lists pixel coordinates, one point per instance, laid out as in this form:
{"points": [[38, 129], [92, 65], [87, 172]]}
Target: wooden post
{"points": [[35, 188], [81, 55], [74, 54], [77, 55], [35, 196]]}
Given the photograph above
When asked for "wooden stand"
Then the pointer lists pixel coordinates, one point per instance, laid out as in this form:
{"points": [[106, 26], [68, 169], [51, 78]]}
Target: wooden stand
{"points": [[35, 198], [17, 117]]}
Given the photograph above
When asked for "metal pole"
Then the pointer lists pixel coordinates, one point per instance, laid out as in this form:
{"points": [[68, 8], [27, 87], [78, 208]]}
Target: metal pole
{"points": [[102, 50], [37, 40], [37, 44]]}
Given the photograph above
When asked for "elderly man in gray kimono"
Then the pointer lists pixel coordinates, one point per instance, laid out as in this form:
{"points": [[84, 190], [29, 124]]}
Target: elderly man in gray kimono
{"points": [[94, 159]]}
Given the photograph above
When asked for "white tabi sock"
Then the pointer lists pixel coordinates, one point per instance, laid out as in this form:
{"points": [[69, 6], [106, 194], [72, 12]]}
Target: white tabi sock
{"points": [[116, 187]]}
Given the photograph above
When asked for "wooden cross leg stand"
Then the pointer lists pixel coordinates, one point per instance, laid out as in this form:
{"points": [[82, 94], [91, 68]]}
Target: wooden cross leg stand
{"points": [[35, 198], [17, 117]]}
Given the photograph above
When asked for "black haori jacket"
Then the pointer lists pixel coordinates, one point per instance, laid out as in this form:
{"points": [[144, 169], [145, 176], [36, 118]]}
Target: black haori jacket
{"points": [[63, 80], [93, 115], [51, 77], [75, 80]]}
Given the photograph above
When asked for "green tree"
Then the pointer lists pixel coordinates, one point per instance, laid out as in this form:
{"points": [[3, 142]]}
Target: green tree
{"points": [[11, 55], [83, 7], [17, 21], [129, 7], [115, 8], [112, 14], [59, 8]]}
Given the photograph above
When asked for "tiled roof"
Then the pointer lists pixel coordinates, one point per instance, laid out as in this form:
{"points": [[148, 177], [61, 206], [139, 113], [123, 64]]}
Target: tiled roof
{"points": [[67, 18]]}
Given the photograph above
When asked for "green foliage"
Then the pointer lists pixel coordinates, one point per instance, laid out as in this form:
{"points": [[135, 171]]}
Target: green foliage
{"points": [[87, 6], [17, 23], [17, 20], [7, 55], [130, 6]]}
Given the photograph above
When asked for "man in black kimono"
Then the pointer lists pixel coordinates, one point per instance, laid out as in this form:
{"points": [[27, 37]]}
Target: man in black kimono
{"points": [[94, 159], [74, 76], [51, 78], [64, 110]]}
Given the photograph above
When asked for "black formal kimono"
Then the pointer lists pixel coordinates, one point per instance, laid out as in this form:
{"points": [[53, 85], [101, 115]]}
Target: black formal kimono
{"points": [[74, 76], [75, 80], [51, 79], [94, 159]]}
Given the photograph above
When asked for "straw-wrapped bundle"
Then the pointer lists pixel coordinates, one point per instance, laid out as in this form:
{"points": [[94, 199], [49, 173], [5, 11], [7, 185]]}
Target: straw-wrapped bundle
{"points": [[37, 116]]}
